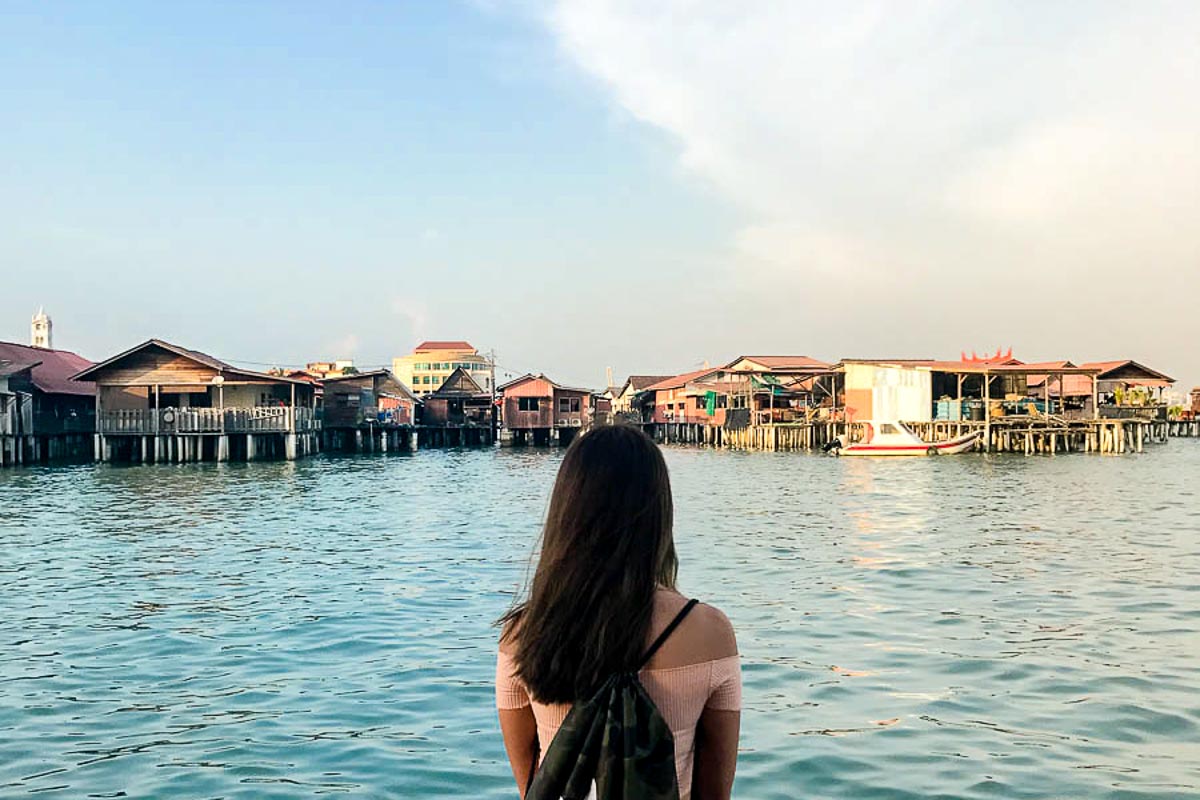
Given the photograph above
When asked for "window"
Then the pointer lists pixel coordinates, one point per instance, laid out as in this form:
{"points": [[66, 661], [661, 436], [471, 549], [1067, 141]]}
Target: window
{"points": [[564, 405], [887, 427], [574, 405], [527, 403]]}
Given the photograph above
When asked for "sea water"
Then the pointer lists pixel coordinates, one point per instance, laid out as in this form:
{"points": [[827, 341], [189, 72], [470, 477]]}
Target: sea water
{"points": [[965, 627]]}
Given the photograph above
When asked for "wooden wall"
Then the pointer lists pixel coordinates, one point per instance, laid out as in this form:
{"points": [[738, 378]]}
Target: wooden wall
{"points": [[534, 387], [154, 365]]}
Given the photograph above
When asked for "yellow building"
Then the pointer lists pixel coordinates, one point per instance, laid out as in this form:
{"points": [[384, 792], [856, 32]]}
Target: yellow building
{"points": [[430, 363]]}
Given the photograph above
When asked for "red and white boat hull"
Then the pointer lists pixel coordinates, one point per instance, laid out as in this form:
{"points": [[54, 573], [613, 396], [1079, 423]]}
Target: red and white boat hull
{"points": [[895, 439]]}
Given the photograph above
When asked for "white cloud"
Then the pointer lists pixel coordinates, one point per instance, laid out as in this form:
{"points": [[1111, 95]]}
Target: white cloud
{"points": [[906, 152]]}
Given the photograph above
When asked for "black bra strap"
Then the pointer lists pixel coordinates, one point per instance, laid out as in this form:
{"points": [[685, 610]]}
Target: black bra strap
{"points": [[662, 637]]}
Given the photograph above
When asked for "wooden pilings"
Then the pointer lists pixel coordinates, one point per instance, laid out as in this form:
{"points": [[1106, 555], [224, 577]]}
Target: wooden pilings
{"points": [[1010, 435], [40, 449], [796, 437], [178, 448], [1041, 436], [18, 449], [1183, 427], [370, 440]]}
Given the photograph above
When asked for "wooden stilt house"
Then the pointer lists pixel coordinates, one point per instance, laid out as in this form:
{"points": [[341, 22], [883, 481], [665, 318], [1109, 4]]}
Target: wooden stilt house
{"points": [[459, 413], [369, 411], [162, 402], [49, 416]]}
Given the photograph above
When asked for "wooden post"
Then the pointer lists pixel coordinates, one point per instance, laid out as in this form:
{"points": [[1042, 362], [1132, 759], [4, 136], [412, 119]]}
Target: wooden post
{"points": [[1095, 396], [98, 442], [987, 412]]}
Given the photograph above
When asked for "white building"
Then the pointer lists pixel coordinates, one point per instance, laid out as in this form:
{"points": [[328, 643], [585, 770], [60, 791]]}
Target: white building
{"points": [[426, 368], [41, 330]]}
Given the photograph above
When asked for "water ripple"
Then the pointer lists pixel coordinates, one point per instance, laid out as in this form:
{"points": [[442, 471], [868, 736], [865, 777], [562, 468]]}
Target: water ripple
{"points": [[934, 628]]}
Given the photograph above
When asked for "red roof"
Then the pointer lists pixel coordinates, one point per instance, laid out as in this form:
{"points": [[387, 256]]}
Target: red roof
{"points": [[448, 345], [681, 380], [53, 375], [1038, 380]]}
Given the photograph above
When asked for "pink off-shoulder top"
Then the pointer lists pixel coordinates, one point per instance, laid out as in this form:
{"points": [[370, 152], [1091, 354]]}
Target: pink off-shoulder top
{"points": [[681, 694]]}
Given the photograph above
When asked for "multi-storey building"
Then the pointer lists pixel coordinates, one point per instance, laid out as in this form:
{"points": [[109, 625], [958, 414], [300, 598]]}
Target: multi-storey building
{"points": [[428, 366]]}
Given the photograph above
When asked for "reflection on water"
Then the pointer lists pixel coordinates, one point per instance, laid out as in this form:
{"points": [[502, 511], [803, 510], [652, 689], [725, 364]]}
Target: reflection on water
{"points": [[959, 627]]}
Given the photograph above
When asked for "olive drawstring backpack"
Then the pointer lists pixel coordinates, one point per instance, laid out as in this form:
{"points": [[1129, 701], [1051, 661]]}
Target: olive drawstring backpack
{"points": [[614, 746]]}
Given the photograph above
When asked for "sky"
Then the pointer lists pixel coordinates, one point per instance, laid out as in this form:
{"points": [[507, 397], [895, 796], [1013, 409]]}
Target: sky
{"points": [[582, 184]]}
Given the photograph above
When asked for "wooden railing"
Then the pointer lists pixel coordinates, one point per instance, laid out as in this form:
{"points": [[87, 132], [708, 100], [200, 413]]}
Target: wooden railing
{"points": [[267, 419]]}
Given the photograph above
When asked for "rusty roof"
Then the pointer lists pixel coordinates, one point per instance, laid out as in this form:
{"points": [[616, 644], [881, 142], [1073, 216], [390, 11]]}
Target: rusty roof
{"points": [[53, 370], [675, 381], [783, 362], [8, 368]]}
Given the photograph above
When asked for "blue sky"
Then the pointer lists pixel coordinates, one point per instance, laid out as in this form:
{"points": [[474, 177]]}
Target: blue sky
{"points": [[586, 184]]}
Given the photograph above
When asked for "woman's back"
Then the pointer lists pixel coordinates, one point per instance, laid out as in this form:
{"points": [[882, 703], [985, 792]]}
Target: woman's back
{"points": [[603, 591], [694, 679]]}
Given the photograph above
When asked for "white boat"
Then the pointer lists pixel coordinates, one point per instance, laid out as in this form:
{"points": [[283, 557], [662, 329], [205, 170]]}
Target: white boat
{"points": [[897, 439]]}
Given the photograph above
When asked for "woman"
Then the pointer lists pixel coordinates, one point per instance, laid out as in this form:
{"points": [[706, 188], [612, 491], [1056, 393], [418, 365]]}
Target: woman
{"points": [[604, 589]]}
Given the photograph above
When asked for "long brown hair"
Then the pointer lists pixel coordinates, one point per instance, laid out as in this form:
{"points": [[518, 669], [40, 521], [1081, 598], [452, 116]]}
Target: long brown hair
{"points": [[606, 547]]}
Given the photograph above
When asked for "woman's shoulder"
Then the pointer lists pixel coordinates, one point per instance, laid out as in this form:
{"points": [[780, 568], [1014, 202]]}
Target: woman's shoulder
{"points": [[706, 634], [509, 630]]}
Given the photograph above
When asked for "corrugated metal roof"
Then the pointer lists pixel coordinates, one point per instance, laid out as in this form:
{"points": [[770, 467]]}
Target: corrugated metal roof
{"points": [[675, 381], [783, 362], [53, 374], [1112, 366], [640, 382]]}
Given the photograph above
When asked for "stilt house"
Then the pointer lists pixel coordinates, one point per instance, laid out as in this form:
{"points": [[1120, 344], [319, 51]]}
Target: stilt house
{"points": [[162, 402], [368, 411], [49, 416]]}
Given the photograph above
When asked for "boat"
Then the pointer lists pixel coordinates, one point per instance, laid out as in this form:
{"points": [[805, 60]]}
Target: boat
{"points": [[897, 439]]}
